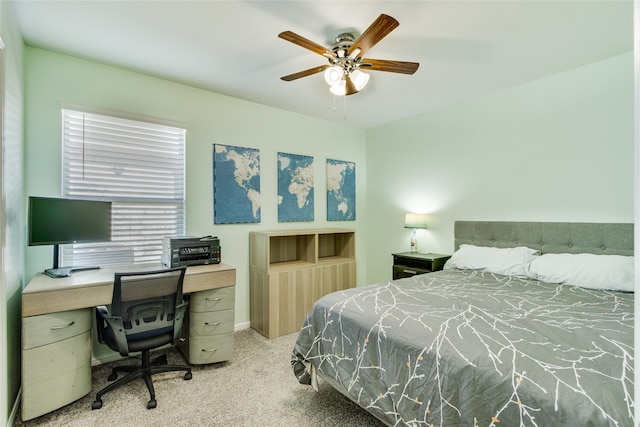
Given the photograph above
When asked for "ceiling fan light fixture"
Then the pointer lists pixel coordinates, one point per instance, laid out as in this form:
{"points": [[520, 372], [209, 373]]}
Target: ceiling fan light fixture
{"points": [[333, 75], [346, 57], [359, 79], [339, 89]]}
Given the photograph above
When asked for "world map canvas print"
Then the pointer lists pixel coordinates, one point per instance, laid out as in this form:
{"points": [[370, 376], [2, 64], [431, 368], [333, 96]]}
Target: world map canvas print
{"points": [[295, 188], [341, 190], [236, 184]]}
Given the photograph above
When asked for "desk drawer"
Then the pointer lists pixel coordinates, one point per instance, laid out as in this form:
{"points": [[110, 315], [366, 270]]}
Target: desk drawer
{"points": [[213, 300], [207, 349], [55, 375], [211, 322], [50, 328], [46, 363]]}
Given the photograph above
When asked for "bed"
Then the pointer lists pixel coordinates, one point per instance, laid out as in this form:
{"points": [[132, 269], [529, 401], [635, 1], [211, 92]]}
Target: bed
{"points": [[467, 346]]}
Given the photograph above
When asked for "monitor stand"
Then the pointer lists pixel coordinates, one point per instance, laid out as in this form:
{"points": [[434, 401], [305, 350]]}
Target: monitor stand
{"points": [[57, 273]]}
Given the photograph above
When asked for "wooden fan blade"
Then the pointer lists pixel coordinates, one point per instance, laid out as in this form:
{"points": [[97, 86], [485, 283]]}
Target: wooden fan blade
{"points": [[305, 43], [390, 66], [304, 73], [378, 30]]}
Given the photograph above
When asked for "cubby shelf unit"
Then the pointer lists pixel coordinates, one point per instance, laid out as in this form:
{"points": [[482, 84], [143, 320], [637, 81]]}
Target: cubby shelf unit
{"points": [[291, 269]]}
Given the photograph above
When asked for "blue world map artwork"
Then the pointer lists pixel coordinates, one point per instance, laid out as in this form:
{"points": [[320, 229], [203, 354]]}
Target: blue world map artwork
{"points": [[236, 184], [295, 188], [341, 190]]}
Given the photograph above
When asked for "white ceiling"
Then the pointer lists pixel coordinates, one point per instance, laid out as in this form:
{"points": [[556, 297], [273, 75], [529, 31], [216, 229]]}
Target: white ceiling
{"points": [[465, 48]]}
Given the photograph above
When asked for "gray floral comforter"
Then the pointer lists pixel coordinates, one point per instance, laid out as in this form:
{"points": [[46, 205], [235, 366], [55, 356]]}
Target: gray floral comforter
{"points": [[463, 348]]}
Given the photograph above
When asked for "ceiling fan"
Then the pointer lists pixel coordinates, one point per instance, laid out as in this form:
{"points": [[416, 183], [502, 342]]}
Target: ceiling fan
{"points": [[344, 71]]}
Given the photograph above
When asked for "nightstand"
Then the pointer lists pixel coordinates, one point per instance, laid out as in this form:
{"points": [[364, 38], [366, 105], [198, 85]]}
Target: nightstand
{"points": [[407, 264]]}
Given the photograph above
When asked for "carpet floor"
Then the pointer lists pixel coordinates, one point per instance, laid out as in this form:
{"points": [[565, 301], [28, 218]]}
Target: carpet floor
{"points": [[255, 388]]}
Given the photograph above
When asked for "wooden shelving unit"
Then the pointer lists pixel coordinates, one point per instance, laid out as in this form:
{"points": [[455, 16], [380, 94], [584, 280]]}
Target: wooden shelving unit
{"points": [[291, 269]]}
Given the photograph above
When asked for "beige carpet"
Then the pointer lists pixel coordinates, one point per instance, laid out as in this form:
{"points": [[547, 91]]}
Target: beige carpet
{"points": [[256, 388]]}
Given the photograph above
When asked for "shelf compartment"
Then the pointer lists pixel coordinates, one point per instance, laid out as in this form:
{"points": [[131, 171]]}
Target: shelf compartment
{"points": [[285, 249], [336, 244]]}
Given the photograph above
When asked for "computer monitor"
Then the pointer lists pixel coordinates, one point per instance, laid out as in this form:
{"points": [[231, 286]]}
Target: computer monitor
{"points": [[55, 221]]}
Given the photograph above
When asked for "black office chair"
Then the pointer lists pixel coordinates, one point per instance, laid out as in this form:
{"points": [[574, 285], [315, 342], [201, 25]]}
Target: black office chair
{"points": [[147, 311]]}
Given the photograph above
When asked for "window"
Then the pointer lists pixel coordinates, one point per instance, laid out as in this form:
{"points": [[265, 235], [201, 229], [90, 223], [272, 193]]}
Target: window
{"points": [[140, 168]]}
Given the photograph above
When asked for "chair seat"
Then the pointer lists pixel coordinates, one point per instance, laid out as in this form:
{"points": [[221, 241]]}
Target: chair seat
{"points": [[139, 344]]}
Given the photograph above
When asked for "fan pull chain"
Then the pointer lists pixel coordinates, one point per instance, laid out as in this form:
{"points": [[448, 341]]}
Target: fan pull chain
{"points": [[344, 107]]}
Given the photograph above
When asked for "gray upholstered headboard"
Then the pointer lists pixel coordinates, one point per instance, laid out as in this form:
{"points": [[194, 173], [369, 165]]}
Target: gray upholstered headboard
{"points": [[548, 237]]}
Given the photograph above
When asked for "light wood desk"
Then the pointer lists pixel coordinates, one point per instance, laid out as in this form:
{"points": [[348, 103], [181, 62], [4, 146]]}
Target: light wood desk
{"points": [[57, 325]]}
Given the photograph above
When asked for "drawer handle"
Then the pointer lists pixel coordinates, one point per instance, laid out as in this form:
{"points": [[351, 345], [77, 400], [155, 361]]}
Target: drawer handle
{"points": [[410, 271], [213, 350], [212, 324], [213, 299], [55, 328]]}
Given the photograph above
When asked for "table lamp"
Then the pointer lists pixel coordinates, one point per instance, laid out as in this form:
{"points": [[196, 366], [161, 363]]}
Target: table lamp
{"points": [[415, 221]]}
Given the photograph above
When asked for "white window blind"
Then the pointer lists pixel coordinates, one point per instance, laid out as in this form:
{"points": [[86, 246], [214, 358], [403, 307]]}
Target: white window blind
{"points": [[140, 168]]}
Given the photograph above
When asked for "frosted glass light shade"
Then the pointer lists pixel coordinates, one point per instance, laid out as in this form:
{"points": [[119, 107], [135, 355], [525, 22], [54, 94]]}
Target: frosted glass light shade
{"points": [[413, 220], [333, 75], [359, 79], [339, 89]]}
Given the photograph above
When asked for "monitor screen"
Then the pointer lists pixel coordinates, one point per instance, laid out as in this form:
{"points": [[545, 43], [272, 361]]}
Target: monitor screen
{"points": [[59, 221]]}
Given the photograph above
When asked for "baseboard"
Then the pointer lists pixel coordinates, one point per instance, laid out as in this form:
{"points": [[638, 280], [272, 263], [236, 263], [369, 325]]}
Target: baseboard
{"points": [[105, 359], [241, 326], [14, 411]]}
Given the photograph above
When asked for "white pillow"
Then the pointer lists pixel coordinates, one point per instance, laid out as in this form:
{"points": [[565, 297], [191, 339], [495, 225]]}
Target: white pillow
{"points": [[586, 270], [507, 261]]}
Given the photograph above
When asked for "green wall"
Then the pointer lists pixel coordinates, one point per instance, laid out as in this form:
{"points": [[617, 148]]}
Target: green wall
{"points": [[12, 206], [54, 80], [554, 149]]}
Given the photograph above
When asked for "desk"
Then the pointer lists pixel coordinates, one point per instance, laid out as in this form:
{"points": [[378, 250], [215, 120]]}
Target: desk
{"points": [[57, 325]]}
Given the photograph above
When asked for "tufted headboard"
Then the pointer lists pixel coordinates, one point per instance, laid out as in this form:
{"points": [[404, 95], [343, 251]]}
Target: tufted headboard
{"points": [[548, 237]]}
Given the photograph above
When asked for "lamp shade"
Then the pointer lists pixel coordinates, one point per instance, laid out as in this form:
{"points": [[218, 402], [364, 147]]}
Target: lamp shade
{"points": [[413, 220], [339, 89], [333, 75], [359, 79]]}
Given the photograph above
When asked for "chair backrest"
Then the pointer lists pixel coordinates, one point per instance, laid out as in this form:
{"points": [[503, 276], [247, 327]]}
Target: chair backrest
{"points": [[149, 303]]}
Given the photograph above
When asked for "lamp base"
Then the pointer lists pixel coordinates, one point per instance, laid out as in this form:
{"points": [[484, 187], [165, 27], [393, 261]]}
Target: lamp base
{"points": [[414, 242]]}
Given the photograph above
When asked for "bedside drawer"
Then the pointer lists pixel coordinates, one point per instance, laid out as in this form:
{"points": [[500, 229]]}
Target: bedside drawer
{"points": [[409, 264], [213, 300], [50, 328], [401, 271], [211, 322]]}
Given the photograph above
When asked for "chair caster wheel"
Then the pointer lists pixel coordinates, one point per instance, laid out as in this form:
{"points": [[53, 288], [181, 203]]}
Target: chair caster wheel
{"points": [[188, 376], [152, 404], [112, 376], [96, 404]]}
